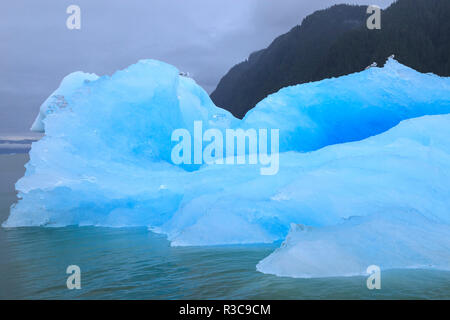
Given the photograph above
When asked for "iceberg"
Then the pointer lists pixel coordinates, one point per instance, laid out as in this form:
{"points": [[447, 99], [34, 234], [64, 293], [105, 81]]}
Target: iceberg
{"points": [[350, 108], [364, 168]]}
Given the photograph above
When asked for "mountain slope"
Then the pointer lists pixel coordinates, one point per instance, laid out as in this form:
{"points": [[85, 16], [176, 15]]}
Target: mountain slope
{"points": [[335, 42], [291, 59]]}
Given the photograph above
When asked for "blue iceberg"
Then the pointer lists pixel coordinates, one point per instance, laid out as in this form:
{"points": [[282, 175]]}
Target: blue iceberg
{"points": [[364, 168], [350, 108]]}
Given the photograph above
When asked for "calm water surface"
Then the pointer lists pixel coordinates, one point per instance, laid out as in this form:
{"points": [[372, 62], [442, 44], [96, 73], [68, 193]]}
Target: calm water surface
{"points": [[134, 263]]}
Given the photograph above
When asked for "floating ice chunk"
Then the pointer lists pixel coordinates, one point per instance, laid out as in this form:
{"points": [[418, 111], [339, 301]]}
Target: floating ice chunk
{"points": [[106, 158], [397, 239]]}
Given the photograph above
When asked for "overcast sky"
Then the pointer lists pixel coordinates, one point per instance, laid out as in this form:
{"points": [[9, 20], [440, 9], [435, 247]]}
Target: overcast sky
{"points": [[204, 37]]}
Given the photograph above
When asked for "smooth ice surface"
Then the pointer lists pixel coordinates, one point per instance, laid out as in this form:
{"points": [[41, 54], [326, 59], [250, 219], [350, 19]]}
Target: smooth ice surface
{"points": [[105, 161], [406, 169], [401, 239], [351, 107]]}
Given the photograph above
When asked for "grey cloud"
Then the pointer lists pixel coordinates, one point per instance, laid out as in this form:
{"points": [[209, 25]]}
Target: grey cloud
{"points": [[204, 37]]}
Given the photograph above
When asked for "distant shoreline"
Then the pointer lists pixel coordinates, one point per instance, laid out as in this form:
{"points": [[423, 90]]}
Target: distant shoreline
{"points": [[16, 146]]}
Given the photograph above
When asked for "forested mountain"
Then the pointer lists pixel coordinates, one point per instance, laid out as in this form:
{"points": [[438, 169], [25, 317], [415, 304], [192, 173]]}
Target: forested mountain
{"points": [[335, 42]]}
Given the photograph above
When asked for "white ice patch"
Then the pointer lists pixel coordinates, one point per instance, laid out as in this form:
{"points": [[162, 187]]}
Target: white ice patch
{"points": [[394, 239], [59, 99]]}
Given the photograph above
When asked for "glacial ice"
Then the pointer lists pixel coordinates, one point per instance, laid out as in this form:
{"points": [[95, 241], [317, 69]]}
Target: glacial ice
{"points": [[405, 169], [400, 239], [358, 176], [58, 99], [351, 107]]}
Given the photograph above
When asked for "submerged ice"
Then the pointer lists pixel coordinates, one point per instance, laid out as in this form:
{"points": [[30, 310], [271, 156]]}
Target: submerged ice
{"points": [[364, 173]]}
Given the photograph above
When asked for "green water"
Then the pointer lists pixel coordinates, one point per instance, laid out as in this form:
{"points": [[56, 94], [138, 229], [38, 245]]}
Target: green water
{"points": [[134, 263]]}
